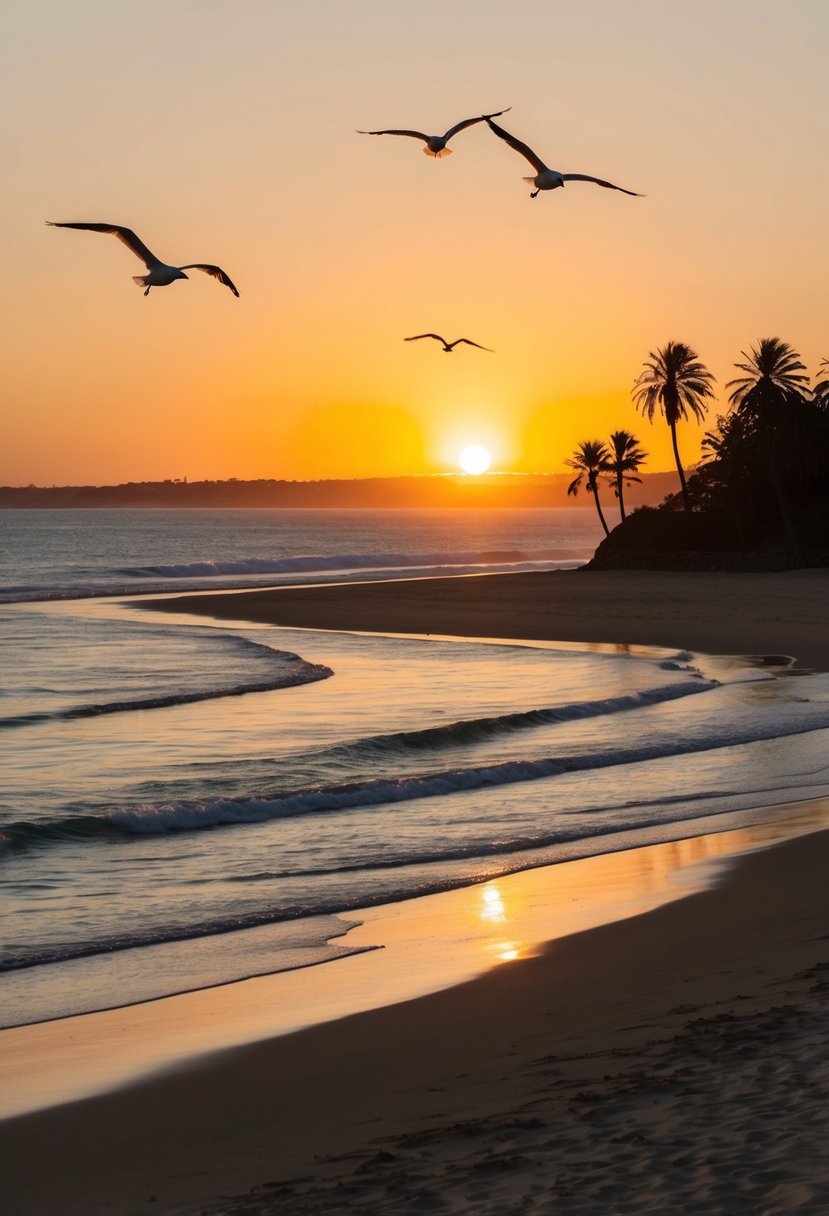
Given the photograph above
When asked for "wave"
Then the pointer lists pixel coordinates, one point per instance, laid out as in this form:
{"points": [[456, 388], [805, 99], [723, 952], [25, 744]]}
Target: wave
{"points": [[160, 818], [288, 671], [344, 561], [256, 572], [481, 730], [407, 887]]}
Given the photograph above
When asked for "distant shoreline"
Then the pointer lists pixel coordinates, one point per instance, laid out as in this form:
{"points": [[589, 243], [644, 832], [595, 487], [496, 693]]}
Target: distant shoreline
{"points": [[490, 490]]}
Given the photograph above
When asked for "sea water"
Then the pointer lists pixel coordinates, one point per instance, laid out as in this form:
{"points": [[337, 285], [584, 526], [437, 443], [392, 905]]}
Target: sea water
{"points": [[188, 802]]}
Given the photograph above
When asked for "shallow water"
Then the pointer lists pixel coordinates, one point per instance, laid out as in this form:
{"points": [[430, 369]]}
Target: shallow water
{"points": [[164, 829]]}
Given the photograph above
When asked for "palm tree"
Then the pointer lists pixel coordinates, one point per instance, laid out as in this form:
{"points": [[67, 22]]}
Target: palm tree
{"points": [[625, 459], [821, 389], [774, 373], [590, 459], [677, 382], [775, 379]]}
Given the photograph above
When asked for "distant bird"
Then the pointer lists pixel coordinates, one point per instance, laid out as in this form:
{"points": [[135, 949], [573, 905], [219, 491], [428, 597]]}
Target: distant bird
{"points": [[436, 144], [160, 273], [449, 346], [545, 178]]}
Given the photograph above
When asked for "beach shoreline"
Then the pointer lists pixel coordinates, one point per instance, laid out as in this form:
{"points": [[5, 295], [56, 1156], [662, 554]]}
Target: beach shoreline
{"points": [[784, 615], [672, 1058], [369, 1109]]}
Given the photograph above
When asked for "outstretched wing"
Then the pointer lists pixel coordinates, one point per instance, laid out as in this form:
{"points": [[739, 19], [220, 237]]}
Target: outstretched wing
{"points": [[125, 235], [584, 177], [413, 134], [415, 337], [528, 154], [470, 122], [215, 272], [469, 342]]}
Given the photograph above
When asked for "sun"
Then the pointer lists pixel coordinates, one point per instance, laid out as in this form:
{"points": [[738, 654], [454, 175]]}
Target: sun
{"points": [[474, 458]]}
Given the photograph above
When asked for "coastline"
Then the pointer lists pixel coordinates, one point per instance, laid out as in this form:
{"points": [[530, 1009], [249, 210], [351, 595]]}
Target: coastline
{"points": [[783, 614], [687, 1033], [668, 1059]]}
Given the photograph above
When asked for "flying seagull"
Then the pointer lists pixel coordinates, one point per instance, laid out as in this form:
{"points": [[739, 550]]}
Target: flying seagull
{"points": [[449, 346], [160, 273], [545, 178], [436, 144]]}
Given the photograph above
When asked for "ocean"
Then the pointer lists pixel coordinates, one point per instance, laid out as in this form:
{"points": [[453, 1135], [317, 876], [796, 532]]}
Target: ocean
{"points": [[188, 802]]}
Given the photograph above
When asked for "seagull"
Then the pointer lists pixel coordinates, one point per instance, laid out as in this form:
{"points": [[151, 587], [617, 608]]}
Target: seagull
{"points": [[436, 144], [549, 179], [449, 346], [160, 273]]}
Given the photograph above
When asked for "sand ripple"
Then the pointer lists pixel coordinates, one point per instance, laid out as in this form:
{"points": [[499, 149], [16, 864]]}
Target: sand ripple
{"points": [[724, 1110]]}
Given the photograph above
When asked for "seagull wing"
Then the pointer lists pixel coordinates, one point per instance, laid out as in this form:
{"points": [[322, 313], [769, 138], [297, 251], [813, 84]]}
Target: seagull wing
{"points": [[469, 342], [215, 272], [125, 235], [413, 134], [415, 337], [585, 177], [469, 122], [528, 154]]}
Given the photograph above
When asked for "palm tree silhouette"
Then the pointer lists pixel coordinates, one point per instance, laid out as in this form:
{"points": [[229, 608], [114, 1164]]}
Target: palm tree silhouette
{"points": [[775, 380], [677, 382], [625, 458], [590, 459]]}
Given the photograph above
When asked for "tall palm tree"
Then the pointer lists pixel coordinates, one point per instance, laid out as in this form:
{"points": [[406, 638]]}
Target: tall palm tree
{"points": [[774, 380], [821, 389], [773, 374], [677, 382], [590, 459], [625, 458]]}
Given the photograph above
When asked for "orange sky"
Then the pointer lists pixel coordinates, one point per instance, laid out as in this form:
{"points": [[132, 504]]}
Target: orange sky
{"points": [[224, 132]]}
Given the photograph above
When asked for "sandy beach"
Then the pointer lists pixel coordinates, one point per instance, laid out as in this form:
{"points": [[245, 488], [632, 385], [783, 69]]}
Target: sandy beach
{"points": [[743, 614], [672, 1060]]}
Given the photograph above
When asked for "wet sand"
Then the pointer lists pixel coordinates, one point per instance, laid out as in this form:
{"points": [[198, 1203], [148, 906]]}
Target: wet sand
{"points": [[671, 1061]]}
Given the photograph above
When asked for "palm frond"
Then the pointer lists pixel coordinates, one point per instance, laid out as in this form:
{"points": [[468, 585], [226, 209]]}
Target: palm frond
{"points": [[773, 371], [674, 379]]}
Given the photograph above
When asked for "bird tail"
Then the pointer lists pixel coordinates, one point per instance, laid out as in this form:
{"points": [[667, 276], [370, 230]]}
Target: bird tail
{"points": [[531, 180], [438, 155], [141, 280]]}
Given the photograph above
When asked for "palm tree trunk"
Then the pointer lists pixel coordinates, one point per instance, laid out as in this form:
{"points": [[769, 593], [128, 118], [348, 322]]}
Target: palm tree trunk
{"points": [[783, 503], [620, 494], [680, 469], [594, 490]]}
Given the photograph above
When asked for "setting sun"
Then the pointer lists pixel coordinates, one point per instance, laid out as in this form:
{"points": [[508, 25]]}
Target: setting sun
{"points": [[474, 458]]}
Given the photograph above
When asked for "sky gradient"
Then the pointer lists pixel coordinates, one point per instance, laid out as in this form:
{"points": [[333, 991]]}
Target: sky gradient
{"points": [[225, 133]]}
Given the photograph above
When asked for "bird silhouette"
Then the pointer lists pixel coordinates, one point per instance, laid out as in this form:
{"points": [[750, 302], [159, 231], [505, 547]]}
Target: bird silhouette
{"points": [[546, 178], [436, 144], [449, 346], [160, 274]]}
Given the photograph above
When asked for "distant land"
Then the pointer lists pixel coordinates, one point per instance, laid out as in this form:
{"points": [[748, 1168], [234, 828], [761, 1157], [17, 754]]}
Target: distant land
{"points": [[453, 490]]}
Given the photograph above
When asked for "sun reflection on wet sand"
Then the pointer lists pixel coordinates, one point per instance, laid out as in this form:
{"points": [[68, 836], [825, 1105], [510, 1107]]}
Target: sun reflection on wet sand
{"points": [[428, 944], [492, 908], [493, 911]]}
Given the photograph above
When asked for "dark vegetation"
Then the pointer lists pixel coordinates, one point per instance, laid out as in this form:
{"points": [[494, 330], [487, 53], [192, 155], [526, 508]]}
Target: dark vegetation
{"points": [[759, 498]]}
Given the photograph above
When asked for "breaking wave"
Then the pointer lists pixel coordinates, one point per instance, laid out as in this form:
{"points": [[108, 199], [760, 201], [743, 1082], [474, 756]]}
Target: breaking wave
{"points": [[284, 670]]}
